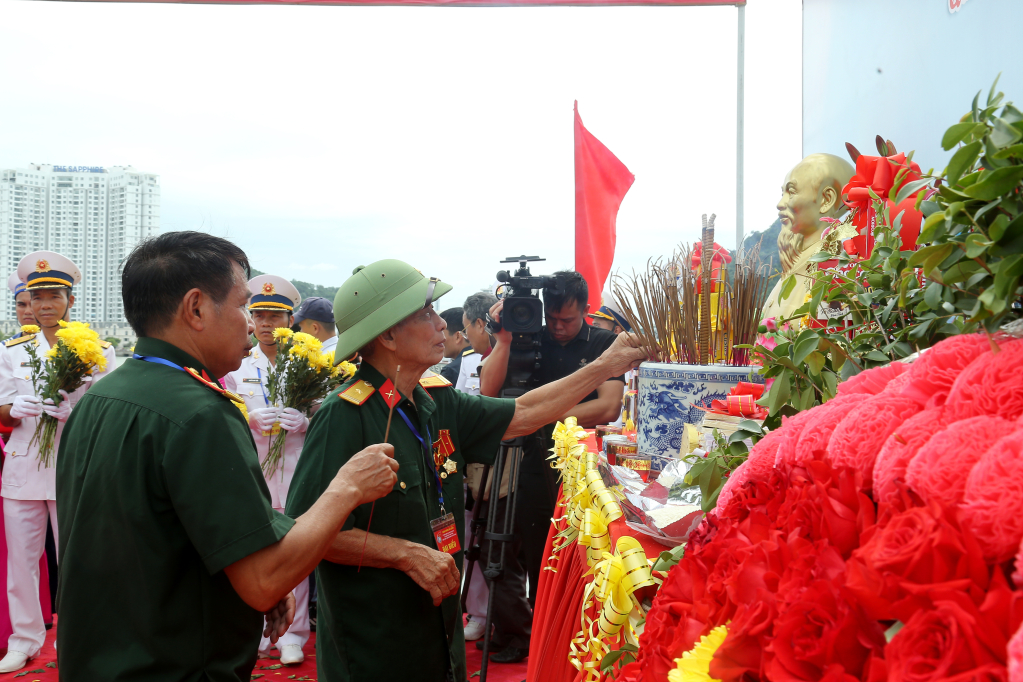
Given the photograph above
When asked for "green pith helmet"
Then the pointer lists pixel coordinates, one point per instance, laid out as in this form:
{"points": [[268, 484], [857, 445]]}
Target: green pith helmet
{"points": [[375, 298]]}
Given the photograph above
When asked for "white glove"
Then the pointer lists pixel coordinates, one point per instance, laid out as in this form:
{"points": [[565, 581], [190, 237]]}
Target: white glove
{"points": [[59, 412], [293, 421], [262, 418], [26, 406]]}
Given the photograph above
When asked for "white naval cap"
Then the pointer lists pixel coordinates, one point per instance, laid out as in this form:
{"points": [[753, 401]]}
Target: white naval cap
{"points": [[270, 292], [48, 270], [15, 284]]}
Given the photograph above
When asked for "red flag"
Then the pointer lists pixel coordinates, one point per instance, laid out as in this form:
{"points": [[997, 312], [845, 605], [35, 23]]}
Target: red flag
{"points": [[601, 181], [390, 394]]}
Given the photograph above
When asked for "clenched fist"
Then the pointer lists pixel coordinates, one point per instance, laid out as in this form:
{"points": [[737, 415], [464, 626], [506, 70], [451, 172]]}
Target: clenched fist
{"points": [[370, 474]]}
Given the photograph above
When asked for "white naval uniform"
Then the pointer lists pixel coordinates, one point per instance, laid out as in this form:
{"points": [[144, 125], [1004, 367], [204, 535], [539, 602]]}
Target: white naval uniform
{"points": [[329, 345], [469, 374], [30, 494], [250, 382], [476, 601]]}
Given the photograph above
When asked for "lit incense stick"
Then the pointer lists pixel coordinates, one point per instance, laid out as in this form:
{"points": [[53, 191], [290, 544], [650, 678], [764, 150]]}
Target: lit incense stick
{"points": [[387, 433]]}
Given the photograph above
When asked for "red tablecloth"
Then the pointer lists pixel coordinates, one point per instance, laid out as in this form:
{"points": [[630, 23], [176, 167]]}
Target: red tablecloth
{"points": [[559, 598]]}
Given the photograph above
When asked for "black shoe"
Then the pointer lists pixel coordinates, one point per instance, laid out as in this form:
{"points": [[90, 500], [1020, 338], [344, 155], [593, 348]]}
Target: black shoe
{"points": [[494, 646], [509, 655]]}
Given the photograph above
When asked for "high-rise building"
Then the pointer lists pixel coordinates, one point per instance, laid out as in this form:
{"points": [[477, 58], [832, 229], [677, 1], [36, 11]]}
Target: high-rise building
{"points": [[92, 215]]}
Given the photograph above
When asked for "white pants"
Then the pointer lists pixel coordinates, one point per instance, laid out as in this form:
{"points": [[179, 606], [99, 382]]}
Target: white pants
{"points": [[298, 633], [25, 526], [479, 593]]}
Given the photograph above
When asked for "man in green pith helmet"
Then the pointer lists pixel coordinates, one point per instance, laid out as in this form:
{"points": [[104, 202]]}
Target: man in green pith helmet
{"points": [[403, 598]]}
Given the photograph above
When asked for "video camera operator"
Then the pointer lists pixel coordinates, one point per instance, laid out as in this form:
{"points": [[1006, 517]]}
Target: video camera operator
{"points": [[566, 343]]}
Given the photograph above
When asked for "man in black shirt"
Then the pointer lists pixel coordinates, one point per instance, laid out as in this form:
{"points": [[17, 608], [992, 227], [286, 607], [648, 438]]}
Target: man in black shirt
{"points": [[456, 343], [567, 342]]}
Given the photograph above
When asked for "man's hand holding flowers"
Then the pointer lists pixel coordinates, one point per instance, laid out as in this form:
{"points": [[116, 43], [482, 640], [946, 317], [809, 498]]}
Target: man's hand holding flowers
{"points": [[59, 412], [25, 406], [262, 419], [292, 420]]}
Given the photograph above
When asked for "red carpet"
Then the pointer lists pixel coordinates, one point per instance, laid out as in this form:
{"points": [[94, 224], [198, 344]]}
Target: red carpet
{"points": [[43, 668]]}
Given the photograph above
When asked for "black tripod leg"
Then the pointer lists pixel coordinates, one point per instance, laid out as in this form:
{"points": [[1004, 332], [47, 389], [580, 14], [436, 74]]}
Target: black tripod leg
{"points": [[495, 570], [473, 548]]}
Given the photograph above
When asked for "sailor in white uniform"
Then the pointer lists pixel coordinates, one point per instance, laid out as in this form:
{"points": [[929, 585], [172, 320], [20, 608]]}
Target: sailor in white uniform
{"points": [[22, 301], [29, 489], [271, 305], [469, 372]]}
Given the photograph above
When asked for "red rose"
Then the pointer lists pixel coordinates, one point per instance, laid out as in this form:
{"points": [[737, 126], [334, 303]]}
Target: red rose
{"points": [[953, 640], [817, 631], [672, 624], [915, 552], [742, 651]]}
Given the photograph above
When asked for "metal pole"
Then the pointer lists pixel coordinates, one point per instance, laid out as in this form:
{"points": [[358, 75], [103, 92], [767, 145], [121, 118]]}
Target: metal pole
{"points": [[740, 125]]}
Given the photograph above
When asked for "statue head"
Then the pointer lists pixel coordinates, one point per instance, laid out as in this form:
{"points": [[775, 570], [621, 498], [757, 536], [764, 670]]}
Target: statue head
{"points": [[811, 191]]}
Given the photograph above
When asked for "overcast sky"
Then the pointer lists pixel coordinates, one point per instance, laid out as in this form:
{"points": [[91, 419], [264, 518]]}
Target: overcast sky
{"points": [[321, 138]]}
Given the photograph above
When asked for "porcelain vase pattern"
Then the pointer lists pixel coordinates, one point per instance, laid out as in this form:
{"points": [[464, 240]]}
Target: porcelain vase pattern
{"points": [[668, 395]]}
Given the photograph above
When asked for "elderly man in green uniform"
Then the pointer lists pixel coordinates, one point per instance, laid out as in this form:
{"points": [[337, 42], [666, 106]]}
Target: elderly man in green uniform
{"points": [[171, 552], [386, 605]]}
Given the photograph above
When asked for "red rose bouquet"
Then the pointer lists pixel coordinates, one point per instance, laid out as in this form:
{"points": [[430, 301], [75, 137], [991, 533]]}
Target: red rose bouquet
{"points": [[875, 537]]}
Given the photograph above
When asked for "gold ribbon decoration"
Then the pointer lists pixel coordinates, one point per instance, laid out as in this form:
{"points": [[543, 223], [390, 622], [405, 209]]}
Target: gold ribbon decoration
{"points": [[616, 577]]}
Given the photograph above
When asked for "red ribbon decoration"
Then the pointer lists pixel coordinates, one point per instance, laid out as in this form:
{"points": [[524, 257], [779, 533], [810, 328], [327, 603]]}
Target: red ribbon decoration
{"points": [[878, 173]]}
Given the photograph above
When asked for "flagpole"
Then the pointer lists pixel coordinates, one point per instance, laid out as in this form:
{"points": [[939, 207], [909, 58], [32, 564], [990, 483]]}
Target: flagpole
{"points": [[740, 126], [387, 434]]}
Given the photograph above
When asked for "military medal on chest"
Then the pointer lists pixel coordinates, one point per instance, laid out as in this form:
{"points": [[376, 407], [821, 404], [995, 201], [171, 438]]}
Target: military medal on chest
{"points": [[443, 448]]}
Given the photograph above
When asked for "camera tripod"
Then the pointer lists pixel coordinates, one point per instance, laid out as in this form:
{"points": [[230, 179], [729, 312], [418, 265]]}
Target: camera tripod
{"points": [[510, 452]]}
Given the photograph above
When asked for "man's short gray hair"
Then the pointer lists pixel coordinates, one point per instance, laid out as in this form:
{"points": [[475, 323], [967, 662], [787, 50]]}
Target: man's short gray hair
{"points": [[478, 305]]}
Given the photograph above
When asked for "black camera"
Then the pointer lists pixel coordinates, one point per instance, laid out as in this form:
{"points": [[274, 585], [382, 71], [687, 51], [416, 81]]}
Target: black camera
{"points": [[523, 317]]}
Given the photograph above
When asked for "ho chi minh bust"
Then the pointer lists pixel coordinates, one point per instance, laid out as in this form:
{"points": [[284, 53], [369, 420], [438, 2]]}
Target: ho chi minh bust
{"points": [[811, 191]]}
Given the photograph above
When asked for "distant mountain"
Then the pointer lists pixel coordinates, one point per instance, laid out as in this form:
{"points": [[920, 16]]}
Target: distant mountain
{"points": [[305, 289], [769, 245]]}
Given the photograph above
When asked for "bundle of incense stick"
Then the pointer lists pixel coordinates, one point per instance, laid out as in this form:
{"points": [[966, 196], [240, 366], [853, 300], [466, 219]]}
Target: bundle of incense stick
{"points": [[746, 296], [662, 306], [707, 335]]}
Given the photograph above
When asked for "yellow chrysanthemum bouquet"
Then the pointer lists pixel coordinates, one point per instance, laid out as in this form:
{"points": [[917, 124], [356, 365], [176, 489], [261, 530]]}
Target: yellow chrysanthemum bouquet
{"points": [[302, 375], [63, 368]]}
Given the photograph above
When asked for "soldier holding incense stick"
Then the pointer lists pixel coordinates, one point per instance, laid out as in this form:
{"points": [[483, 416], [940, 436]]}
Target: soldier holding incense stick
{"points": [[391, 575]]}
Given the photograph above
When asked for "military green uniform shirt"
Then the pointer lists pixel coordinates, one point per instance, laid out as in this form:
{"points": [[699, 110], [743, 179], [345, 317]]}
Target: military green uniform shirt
{"points": [[158, 489], [378, 625]]}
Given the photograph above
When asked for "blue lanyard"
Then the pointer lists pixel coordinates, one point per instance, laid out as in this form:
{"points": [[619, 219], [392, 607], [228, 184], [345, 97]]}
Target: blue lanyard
{"points": [[428, 450], [266, 398], [159, 361]]}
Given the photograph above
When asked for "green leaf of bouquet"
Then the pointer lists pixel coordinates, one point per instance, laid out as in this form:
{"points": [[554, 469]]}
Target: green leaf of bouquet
{"points": [[1004, 134], [962, 161], [787, 287], [911, 188], [956, 134], [1015, 151], [997, 183], [806, 343]]}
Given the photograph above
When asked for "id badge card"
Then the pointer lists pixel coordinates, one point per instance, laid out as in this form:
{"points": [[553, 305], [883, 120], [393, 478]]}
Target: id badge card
{"points": [[446, 534]]}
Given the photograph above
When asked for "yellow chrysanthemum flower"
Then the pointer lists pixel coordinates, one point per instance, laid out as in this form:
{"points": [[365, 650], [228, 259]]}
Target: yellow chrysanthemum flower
{"points": [[62, 323], [282, 333], [347, 369], [29, 329], [52, 353], [694, 666], [307, 340]]}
